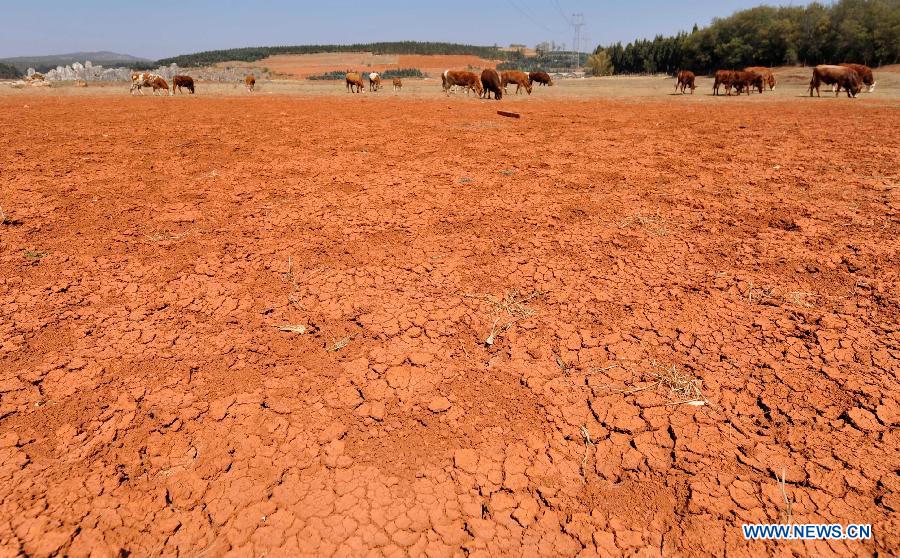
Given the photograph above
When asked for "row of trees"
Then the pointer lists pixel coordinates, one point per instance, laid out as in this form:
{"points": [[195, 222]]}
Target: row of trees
{"points": [[9, 72], [863, 31], [252, 54]]}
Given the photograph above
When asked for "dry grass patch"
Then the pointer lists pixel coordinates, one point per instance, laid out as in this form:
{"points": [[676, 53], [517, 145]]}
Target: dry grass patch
{"points": [[678, 387], [506, 311], [654, 223]]}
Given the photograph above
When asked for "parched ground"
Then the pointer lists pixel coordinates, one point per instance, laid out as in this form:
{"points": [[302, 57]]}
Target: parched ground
{"points": [[686, 301]]}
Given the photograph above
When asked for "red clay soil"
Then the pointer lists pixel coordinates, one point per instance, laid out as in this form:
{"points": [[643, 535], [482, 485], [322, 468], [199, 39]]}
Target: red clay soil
{"points": [[150, 405]]}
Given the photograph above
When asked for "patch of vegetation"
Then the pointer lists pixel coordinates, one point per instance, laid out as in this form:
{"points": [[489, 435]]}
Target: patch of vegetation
{"points": [[8, 71], [862, 31], [550, 61], [330, 76], [33, 254], [402, 73], [252, 54], [387, 74]]}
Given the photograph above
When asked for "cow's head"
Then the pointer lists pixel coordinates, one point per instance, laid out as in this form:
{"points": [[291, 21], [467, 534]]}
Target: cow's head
{"points": [[478, 88]]}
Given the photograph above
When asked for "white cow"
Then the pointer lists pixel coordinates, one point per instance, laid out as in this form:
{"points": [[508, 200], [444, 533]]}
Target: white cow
{"points": [[147, 79], [374, 81]]}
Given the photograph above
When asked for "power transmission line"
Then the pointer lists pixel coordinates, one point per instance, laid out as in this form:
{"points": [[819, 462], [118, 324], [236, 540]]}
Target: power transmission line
{"points": [[561, 11], [530, 18]]}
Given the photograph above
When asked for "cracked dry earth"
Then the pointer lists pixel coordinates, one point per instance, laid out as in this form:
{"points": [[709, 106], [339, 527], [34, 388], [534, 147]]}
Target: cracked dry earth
{"points": [[154, 249]]}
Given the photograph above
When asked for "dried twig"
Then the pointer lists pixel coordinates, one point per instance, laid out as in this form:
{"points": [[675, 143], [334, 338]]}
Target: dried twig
{"points": [[293, 328], [787, 513], [340, 344], [588, 443]]}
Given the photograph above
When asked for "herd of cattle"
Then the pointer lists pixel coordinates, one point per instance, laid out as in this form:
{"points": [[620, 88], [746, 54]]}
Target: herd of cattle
{"points": [[847, 76], [179, 83], [489, 82]]}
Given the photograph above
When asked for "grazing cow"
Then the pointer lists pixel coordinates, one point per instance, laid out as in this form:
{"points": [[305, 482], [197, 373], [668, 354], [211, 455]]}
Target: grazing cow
{"points": [[521, 80], [147, 79], [540, 77], [374, 81], [685, 79], [865, 74], [723, 78], [491, 83], [746, 81], [250, 82], [841, 76], [398, 84], [353, 79], [465, 79], [183, 81], [766, 73]]}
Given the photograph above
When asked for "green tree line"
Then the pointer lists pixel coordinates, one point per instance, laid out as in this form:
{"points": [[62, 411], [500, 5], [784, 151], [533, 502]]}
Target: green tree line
{"points": [[861, 31], [9, 72], [252, 54]]}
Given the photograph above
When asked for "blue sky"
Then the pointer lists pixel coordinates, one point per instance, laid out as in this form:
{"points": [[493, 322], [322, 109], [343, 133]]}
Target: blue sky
{"points": [[160, 28]]}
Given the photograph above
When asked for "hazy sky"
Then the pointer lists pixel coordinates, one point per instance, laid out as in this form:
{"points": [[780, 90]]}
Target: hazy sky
{"points": [[160, 28]]}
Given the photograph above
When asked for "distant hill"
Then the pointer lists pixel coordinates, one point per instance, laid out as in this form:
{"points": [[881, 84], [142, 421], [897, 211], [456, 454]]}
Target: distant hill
{"points": [[252, 54], [46, 62]]}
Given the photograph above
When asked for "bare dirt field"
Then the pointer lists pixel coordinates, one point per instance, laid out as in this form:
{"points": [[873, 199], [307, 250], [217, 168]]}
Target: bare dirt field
{"points": [[319, 323]]}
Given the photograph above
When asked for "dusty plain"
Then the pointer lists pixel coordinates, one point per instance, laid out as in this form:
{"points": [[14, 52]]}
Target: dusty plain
{"points": [[238, 324]]}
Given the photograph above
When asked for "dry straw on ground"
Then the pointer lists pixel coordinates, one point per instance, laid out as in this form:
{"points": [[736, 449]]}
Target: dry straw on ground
{"points": [[655, 223], [679, 388], [507, 311]]}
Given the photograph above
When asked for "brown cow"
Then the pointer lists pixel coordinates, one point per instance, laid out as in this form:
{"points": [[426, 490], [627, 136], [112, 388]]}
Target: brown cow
{"points": [[159, 83], [250, 82], [183, 81], [466, 79], [746, 81], [540, 77], [521, 80], [492, 83], [723, 78], [766, 73], [685, 79], [353, 79], [841, 76], [398, 84], [865, 74]]}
